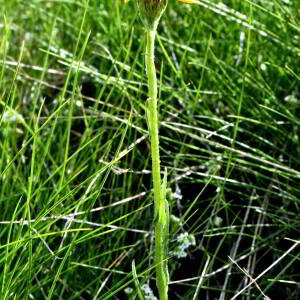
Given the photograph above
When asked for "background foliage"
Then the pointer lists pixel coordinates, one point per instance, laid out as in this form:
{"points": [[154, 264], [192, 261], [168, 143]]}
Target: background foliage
{"points": [[75, 192]]}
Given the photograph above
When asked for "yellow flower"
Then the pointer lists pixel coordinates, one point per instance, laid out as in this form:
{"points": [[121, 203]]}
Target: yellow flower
{"points": [[188, 1]]}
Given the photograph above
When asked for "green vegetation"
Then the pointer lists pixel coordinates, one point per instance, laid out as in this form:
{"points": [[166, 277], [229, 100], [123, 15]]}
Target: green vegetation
{"points": [[76, 194]]}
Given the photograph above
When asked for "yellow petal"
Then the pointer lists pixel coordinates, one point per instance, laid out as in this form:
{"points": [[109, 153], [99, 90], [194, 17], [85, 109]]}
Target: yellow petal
{"points": [[189, 1]]}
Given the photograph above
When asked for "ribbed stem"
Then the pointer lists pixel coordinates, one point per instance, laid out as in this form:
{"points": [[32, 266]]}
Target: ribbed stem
{"points": [[159, 201], [153, 117]]}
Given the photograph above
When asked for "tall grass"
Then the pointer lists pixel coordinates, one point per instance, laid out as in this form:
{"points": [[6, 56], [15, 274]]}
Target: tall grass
{"points": [[76, 193]]}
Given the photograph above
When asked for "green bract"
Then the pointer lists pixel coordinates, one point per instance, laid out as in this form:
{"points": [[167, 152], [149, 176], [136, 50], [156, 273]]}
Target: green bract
{"points": [[151, 11]]}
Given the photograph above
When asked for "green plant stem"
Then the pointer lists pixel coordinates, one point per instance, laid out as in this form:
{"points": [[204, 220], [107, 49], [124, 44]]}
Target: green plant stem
{"points": [[161, 227], [153, 117]]}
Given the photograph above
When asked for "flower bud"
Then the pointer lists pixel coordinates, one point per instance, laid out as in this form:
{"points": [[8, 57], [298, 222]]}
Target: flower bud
{"points": [[151, 11]]}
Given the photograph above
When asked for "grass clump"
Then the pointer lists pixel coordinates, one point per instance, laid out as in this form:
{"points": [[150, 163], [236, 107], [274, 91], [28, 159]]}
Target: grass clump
{"points": [[75, 169]]}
